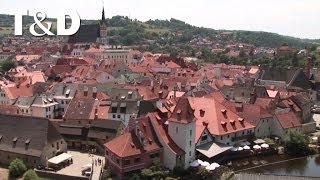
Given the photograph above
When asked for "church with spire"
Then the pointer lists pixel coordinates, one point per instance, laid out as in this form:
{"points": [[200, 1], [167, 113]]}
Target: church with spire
{"points": [[103, 30], [93, 33], [91, 40]]}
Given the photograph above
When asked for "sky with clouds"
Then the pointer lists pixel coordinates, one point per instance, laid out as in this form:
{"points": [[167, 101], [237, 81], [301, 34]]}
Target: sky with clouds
{"points": [[298, 18]]}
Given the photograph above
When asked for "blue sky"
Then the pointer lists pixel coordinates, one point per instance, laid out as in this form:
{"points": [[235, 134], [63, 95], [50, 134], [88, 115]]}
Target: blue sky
{"points": [[299, 18]]}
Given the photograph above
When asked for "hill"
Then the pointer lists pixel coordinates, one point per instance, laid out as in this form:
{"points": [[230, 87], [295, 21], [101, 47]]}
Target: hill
{"points": [[173, 32]]}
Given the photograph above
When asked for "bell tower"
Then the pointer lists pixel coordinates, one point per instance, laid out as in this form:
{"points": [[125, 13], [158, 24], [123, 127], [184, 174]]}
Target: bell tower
{"points": [[103, 30]]}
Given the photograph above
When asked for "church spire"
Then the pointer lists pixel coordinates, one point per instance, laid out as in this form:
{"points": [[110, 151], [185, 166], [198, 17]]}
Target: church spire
{"points": [[103, 19]]}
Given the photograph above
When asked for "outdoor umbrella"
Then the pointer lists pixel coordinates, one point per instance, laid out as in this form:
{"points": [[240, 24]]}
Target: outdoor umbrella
{"points": [[246, 147], [264, 145], [256, 147], [234, 149], [210, 168], [205, 164], [195, 163], [215, 165]]}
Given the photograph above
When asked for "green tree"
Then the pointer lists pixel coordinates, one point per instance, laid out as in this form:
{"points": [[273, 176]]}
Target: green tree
{"points": [[135, 177], [107, 173], [17, 168], [242, 53], [30, 175], [146, 173], [297, 144], [7, 65]]}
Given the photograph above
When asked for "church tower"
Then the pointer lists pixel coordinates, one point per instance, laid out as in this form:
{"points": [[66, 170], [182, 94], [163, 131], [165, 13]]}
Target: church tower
{"points": [[103, 30]]}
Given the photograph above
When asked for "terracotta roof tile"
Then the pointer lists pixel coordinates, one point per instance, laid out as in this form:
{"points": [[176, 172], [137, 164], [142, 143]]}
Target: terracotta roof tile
{"points": [[218, 116], [129, 144], [288, 120]]}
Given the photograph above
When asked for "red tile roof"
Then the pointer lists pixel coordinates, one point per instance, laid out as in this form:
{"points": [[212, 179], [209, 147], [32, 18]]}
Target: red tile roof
{"points": [[220, 120], [16, 91], [91, 95], [159, 126], [144, 91], [264, 102], [129, 143], [250, 112], [288, 120], [183, 112], [288, 103]]}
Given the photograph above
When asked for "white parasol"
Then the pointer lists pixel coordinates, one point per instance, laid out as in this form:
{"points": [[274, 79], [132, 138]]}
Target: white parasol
{"points": [[205, 164], [195, 163], [264, 145], [256, 147]]}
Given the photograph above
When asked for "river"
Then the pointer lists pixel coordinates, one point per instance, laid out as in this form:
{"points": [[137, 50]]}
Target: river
{"points": [[305, 166]]}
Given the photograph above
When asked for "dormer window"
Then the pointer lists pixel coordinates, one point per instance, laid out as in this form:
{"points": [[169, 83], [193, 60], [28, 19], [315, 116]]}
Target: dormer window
{"points": [[241, 120], [67, 93], [223, 123], [224, 112], [202, 112]]}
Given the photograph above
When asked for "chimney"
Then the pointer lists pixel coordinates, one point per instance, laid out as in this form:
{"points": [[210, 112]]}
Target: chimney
{"points": [[94, 92], [252, 97], [239, 107], [85, 91], [129, 94], [308, 67]]}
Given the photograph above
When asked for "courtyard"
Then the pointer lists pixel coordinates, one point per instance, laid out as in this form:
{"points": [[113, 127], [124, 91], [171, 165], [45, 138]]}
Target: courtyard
{"points": [[81, 159]]}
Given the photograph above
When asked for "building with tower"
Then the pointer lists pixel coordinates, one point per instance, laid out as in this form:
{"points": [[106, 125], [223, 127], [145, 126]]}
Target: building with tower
{"points": [[91, 36], [103, 30]]}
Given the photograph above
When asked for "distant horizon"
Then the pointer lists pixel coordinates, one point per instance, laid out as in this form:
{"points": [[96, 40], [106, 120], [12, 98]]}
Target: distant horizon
{"points": [[294, 18], [198, 26]]}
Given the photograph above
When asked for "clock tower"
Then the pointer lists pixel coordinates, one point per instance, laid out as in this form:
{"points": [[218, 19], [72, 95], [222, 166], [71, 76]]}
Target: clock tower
{"points": [[103, 30]]}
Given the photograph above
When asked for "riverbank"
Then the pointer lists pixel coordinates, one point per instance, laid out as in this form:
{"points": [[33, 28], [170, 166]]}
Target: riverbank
{"points": [[307, 166]]}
